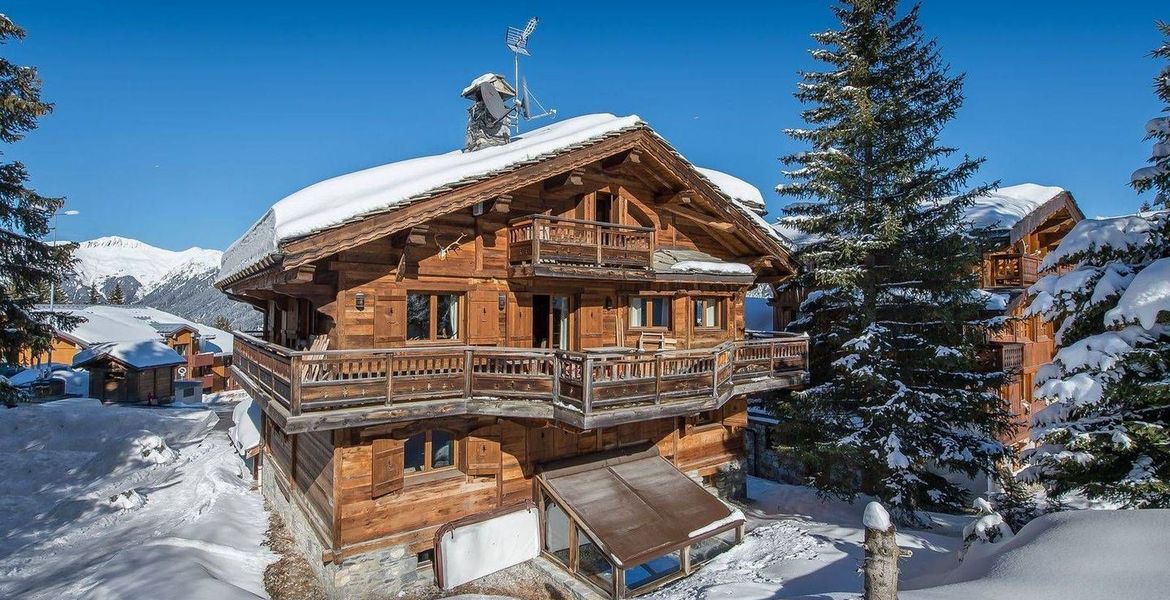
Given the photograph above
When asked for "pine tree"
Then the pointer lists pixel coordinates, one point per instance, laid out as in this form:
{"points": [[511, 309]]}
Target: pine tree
{"points": [[1157, 175], [117, 296], [94, 298], [894, 321], [59, 296], [222, 322], [27, 262], [1106, 431]]}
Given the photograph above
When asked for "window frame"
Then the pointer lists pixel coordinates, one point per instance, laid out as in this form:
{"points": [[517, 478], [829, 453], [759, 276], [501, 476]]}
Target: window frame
{"points": [[428, 453], [646, 313], [704, 302], [433, 317]]}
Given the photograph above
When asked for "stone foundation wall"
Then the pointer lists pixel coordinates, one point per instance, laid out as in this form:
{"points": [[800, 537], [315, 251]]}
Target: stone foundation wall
{"points": [[379, 573]]}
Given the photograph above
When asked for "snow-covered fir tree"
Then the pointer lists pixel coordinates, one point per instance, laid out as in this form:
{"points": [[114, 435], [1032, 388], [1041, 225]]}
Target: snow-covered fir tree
{"points": [[1157, 175], [27, 262], [94, 297], [1106, 431], [117, 296], [897, 390]]}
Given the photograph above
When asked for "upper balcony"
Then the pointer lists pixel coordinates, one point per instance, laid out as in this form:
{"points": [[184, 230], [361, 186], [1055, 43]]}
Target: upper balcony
{"points": [[544, 246], [308, 390], [1010, 270]]}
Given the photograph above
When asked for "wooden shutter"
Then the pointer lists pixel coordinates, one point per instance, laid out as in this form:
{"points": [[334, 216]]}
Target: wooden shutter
{"points": [[483, 317], [386, 468], [735, 413], [481, 451], [390, 319]]}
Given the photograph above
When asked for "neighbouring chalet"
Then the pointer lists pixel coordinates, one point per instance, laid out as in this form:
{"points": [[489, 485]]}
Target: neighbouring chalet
{"points": [[130, 371], [1025, 222], [206, 351], [557, 319]]}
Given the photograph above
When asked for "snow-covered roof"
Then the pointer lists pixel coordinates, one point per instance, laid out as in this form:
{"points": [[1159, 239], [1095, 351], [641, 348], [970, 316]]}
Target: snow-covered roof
{"points": [[353, 196], [113, 323], [141, 354], [999, 210], [735, 188]]}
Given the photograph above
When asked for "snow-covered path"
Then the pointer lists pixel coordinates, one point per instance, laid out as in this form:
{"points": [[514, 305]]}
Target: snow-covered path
{"points": [[191, 528], [800, 547]]}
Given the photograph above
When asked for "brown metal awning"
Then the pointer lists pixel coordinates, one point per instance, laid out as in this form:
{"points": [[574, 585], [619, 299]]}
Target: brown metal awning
{"points": [[635, 504]]}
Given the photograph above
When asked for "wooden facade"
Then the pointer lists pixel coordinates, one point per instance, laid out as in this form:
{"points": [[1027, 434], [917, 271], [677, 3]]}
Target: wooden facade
{"points": [[518, 320], [112, 381]]}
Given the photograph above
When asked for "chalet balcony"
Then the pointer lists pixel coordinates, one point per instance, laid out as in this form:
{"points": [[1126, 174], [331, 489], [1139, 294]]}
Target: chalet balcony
{"points": [[1011, 270], [1003, 356], [543, 246], [202, 359], [307, 390]]}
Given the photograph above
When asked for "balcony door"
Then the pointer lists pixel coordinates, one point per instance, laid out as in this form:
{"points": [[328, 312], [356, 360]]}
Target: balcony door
{"points": [[550, 321]]}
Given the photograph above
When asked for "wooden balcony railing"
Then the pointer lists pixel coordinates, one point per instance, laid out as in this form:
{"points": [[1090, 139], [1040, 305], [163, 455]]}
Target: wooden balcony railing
{"points": [[305, 382], [539, 242], [1003, 356], [1011, 270]]}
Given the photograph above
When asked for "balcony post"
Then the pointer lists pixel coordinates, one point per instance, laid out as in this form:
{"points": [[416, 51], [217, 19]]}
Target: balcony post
{"points": [[657, 378], [535, 241], [294, 385], [467, 363], [389, 378], [597, 234], [556, 373], [587, 385]]}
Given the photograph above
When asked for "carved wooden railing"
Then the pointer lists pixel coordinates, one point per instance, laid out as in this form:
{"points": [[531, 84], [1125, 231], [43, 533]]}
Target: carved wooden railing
{"points": [[588, 382], [539, 240], [1011, 270]]}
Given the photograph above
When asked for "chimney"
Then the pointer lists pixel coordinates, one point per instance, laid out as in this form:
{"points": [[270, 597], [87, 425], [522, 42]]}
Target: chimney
{"points": [[488, 119]]}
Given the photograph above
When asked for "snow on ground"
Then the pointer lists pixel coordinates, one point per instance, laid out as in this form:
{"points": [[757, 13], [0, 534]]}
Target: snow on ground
{"points": [[800, 547], [125, 502], [1075, 555]]}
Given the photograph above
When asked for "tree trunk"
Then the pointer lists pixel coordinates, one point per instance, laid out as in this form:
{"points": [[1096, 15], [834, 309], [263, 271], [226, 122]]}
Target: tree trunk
{"points": [[881, 564]]}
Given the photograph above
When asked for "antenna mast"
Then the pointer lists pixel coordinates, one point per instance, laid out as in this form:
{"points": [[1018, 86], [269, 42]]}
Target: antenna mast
{"points": [[517, 42]]}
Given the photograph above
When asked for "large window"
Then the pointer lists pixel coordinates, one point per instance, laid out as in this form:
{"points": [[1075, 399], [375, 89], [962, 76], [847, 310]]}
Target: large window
{"points": [[432, 317], [556, 530], [707, 312], [650, 311], [429, 450]]}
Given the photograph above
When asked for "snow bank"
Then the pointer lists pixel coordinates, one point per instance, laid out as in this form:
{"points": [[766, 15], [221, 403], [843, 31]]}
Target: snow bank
{"points": [[245, 434], [84, 514], [735, 188], [1077, 555]]}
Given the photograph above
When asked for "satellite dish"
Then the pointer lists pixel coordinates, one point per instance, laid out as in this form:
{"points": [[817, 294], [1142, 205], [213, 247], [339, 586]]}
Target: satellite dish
{"points": [[491, 99]]}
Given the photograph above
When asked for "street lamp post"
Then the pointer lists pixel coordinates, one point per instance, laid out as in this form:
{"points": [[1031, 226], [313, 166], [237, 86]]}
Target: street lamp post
{"points": [[53, 283]]}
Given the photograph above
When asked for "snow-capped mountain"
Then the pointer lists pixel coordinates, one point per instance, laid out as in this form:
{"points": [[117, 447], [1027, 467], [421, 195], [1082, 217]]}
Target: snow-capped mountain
{"points": [[177, 282]]}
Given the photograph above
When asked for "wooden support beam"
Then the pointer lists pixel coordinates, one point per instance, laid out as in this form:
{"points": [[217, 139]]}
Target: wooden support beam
{"points": [[503, 204], [564, 180], [617, 161], [418, 235], [700, 219], [679, 197]]}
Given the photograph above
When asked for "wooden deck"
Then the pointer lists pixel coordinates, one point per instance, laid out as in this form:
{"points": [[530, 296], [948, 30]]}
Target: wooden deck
{"points": [[1011, 270], [544, 246], [307, 390]]}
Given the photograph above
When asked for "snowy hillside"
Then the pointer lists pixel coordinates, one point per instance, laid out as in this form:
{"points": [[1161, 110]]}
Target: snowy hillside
{"points": [[178, 282]]}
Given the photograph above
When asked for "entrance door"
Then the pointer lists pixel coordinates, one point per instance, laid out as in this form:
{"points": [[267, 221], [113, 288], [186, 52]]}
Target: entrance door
{"points": [[550, 321]]}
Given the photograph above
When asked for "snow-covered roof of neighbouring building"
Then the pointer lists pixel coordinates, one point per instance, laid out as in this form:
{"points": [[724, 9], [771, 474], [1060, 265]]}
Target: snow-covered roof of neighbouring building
{"points": [[142, 354], [353, 196], [735, 188], [684, 261], [113, 323], [999, 211]]}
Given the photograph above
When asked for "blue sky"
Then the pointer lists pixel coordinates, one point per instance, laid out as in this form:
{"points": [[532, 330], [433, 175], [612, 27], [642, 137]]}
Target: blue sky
{"points": [[180, 124]]}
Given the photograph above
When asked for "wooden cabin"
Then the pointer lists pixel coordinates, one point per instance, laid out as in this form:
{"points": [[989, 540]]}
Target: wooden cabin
{"points": [[207, 351], [440, 332], [141, 371], [1025, 222]]}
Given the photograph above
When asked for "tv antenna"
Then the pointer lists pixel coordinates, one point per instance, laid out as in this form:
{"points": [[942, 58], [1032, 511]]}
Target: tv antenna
{"points": [[517, 42]]}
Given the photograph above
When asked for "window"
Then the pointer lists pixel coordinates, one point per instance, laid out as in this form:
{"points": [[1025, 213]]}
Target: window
{"points": [[181, 349], [425, 558], [591, 561], [432, 317], [556, 530], [429, 450], [650, 311], [711, 547], [648, 572], [707, 312]]}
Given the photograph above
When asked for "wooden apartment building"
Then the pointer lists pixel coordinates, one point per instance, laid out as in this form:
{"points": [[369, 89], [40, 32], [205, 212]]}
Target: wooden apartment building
{"points": [[443, 334]]}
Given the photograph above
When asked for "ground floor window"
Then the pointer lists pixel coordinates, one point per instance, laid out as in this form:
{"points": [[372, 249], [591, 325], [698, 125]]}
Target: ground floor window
{"points": [[653, 570], [556, 530], [650, 311], [707, 312], [429, 450], [432, 317], [704, 550]]}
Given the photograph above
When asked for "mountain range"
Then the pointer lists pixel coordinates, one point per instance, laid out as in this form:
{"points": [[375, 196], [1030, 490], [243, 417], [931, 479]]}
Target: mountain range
{"points": [[177, 282]]}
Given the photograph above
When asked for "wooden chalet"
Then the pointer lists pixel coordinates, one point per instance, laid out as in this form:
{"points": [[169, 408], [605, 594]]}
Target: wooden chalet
{"points": [[134, 371], [1025, 222], [441, 334]]}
